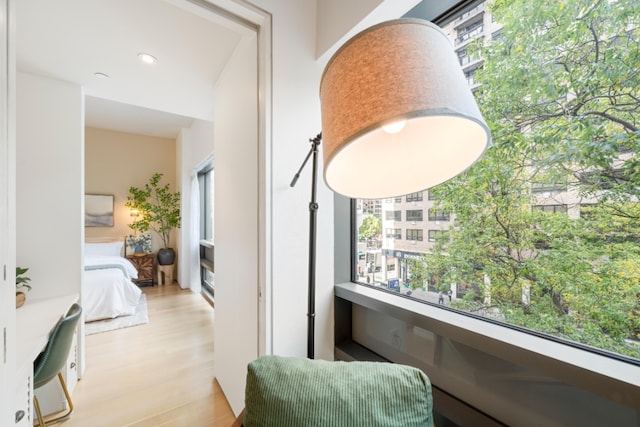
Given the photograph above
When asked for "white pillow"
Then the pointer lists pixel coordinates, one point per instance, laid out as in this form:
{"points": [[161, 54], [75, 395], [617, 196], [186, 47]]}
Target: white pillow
{"points": [[103, 249]]}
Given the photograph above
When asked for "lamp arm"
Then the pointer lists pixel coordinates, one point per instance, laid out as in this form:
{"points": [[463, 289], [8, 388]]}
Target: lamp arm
{"points": [[314, 146], [313, 211]]}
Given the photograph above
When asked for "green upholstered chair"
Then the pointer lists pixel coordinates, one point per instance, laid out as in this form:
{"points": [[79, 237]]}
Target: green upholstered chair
{"points": [[293, 392], [50, 362]]}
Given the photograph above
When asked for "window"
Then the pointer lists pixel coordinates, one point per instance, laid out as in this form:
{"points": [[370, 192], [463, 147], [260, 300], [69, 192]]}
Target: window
{"points": [[470, 32], [205, 185], [393, 215], [414, 197], [438, 215], [394, 233], [463, 56], [465, 59], [470, 76], [542, 274], [414, 215], [542, 187], [372, 207], [551, 208], [582, 338], [414, 234]]}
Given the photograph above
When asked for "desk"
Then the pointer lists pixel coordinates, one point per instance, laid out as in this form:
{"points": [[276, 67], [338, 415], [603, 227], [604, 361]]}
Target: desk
{"points": [[34, 322]]}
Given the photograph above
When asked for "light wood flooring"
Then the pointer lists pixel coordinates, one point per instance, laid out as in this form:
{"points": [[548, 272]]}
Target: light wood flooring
{"points": [[157, 374]]}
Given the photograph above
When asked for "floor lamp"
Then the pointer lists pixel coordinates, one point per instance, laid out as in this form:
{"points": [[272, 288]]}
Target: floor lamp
{"points": [[313, 215], [397, 117]]}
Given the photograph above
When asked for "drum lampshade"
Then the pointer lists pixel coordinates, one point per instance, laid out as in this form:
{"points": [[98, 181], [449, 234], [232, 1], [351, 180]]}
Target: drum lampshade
{"points": [[401, 73]]}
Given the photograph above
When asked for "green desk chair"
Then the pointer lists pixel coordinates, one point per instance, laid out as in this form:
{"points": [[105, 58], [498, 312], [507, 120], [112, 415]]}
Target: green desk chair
{"points": [[297, 392], [51, 361]]}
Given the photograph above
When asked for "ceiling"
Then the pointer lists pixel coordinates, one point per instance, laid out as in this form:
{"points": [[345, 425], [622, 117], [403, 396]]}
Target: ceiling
{"points": [[71, 40]]}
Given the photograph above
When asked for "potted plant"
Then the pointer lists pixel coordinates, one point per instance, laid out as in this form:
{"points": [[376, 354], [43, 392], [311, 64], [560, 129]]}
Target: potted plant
{"points": [[159, 210], [22, 283]]}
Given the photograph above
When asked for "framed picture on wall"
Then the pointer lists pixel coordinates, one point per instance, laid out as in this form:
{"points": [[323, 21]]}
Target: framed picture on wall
{"points": [[98, 210]]}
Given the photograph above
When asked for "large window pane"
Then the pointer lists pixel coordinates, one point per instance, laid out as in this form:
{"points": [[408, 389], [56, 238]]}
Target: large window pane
{"points": [[543, 232], [207, 265]]}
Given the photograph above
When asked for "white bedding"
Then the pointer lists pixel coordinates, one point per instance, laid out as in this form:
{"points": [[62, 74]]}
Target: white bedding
{"points": [[109, 292], [101, 260]]}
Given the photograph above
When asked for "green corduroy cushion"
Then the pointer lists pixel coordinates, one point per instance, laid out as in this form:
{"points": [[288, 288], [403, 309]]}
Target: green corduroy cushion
{"points": [[283, 391]]}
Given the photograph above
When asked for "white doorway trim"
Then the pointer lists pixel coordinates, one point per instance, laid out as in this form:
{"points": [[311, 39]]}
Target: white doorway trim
{"points": [[243, 16]]}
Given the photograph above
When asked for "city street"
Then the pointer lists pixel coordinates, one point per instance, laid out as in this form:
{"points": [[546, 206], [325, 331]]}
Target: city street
{"points": [[429, 296]]}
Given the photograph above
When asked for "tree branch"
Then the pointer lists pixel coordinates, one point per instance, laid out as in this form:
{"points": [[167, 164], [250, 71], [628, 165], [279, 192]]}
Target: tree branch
{"points": [[630, 126]]}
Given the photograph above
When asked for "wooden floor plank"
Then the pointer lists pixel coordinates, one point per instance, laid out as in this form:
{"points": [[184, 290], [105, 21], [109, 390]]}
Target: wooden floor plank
{"points": [[157, 374]]}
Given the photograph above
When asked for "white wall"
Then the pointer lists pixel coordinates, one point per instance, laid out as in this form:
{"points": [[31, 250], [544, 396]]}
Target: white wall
{"points": [[296, 118], [339, 20], [50, 184]]}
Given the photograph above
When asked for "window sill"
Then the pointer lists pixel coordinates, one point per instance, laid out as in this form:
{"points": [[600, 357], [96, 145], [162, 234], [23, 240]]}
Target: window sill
{"points": [[608, 377]]}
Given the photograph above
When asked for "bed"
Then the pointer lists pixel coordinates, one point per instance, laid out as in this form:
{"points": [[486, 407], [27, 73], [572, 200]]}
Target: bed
{"points": [[108, 291]]}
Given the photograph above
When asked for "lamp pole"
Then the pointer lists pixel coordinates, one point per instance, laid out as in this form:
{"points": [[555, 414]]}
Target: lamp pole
{"points": [[313, 214]]}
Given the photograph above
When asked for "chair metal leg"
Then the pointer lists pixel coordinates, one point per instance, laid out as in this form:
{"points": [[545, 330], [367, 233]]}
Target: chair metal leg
{"points": [[36, 405], [61, 417]]}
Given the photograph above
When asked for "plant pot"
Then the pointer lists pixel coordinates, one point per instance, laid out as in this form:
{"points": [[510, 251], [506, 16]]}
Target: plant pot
{"points": [[166, 256], [21, 297]]}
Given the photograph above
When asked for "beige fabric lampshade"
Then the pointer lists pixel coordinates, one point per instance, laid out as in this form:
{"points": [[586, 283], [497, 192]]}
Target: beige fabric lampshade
{"points": [[400, 70]]}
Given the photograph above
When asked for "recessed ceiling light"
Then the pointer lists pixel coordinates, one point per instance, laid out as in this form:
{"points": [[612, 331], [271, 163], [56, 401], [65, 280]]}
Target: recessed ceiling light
{"points": [[101, 75], [147, 58]]}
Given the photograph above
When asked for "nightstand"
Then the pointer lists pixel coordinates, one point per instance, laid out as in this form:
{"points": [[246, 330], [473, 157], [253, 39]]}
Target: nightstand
{"points": [[145, 264]]}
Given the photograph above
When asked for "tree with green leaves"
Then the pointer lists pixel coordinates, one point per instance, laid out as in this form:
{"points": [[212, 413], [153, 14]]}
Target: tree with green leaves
{"points": [[158, 208], [418, 273], [560, 90], [371, 228]]}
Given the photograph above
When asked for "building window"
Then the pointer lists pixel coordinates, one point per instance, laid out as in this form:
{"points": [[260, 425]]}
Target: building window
{"points": [[465, 59], [414, 234], [394, 233], [414, 197], [438, 215], [393, 215], [414, 215], [470, 76], [550, 208], [470, 32], [541, 187]]}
